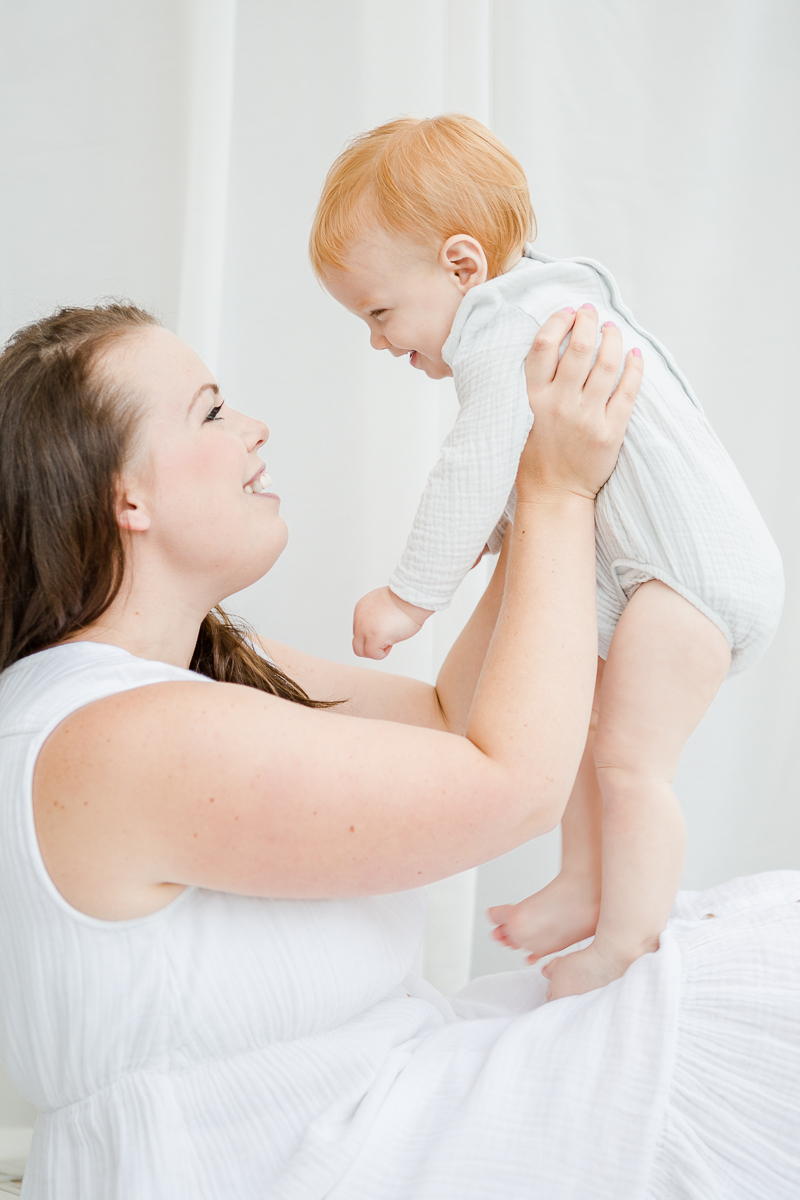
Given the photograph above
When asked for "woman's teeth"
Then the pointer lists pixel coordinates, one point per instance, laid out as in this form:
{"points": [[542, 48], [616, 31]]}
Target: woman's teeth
{"points": [[259, 484]]}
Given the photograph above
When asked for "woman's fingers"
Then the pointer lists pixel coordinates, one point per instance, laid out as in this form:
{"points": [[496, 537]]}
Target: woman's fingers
{"points": [[542, 360], [578, 431], [613, 409], [620, 406], [601, 379], [576, 361]]}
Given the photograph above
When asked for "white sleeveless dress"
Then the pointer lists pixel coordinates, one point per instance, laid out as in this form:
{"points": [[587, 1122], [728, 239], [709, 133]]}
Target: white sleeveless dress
{"points": [[234, 1048]]}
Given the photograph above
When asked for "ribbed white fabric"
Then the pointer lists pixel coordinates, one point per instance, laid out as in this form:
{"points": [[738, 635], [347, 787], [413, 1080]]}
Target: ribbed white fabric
{"points": [[280, 1050], [675, 509]]}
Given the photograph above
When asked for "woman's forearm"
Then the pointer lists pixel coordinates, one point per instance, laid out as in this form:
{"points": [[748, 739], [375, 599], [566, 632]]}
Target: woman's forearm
{"points": [[461, 670], [533, 700]]}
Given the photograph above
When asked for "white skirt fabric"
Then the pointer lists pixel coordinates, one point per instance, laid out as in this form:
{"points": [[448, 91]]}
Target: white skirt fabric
{"points": [[255, 1049], [731, 1128], [680, 1081]]}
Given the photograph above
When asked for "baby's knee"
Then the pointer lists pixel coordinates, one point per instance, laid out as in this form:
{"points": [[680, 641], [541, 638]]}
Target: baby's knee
{"points": [[625, 765], [623, 784]]}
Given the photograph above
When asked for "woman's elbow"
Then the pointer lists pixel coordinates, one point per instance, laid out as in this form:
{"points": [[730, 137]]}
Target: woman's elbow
{"points": [[540, 814]]}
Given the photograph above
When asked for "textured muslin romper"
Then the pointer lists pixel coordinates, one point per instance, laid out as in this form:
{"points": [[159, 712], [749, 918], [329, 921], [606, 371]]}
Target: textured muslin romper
{"points": [[675, 508]]}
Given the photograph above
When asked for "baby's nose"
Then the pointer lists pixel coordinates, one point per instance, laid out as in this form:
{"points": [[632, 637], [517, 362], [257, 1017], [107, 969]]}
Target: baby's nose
{"points": [[378, 341]]}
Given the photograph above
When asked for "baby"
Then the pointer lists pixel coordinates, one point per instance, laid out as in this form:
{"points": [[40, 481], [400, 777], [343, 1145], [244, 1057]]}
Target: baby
{"points": [[422, 231]]}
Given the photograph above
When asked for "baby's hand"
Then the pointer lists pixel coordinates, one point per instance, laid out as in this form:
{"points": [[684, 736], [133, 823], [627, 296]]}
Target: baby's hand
{"points": [[381, 620]]}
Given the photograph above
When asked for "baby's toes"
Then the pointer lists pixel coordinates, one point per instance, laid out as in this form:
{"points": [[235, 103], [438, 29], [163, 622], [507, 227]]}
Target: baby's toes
{"points": [[500, 913], [501, 934]]}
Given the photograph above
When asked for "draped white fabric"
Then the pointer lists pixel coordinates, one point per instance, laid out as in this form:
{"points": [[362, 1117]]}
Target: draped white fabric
{"points": [[173, 153]]}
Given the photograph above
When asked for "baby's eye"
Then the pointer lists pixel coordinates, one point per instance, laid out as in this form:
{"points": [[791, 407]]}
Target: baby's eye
{"points": [[214, 414], [377, 312]]}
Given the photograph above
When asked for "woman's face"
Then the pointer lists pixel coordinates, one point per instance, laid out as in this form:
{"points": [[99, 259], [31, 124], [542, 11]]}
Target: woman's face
{"points": [[195, 487]]}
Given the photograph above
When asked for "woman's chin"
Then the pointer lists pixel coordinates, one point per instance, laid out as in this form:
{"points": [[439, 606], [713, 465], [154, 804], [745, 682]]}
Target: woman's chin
{"points": [[278, 540], [261, 560]]}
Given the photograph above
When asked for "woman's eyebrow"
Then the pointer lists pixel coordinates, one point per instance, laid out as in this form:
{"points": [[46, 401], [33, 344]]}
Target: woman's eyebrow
{"points": [[214, 388]]}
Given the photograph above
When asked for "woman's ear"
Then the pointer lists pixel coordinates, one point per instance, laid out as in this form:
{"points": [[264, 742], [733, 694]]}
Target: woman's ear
{"points": [[463, 257], [132, 514]]}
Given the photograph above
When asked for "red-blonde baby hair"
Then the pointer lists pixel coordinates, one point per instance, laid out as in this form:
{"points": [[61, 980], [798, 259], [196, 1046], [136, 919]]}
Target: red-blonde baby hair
{"points": [[425, 180]]}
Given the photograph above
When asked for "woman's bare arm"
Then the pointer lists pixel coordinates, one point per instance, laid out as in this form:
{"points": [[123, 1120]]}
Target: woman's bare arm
{"points": [[228, 788], [380, 695]]}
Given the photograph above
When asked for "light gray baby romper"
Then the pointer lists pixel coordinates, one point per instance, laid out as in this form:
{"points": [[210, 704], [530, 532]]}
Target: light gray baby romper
{"points": [[675, 508]]}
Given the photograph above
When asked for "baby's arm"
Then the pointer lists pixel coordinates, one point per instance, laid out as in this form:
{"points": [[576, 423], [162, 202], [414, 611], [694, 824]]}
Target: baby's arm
{"points": [[467, 490], [381, 619], [469, 487]]}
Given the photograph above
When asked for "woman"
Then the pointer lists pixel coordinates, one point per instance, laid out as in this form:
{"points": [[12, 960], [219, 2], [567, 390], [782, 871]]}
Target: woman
{"points": [[208, 911]]}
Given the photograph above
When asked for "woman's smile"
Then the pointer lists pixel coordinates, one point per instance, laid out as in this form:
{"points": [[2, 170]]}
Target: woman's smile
{"points": [[257, 485]]}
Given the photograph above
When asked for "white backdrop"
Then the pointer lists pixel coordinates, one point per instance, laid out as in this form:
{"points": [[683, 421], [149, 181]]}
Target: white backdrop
{"points": [[172, 151]]}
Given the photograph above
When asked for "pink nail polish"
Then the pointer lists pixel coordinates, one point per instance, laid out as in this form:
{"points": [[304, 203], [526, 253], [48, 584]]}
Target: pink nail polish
{"points": [[569, 310], [591, 306], [636, 352], [610, 325]]}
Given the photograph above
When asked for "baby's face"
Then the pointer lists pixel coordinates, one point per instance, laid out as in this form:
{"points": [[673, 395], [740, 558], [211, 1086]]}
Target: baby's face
{"points": [[407, 297]]}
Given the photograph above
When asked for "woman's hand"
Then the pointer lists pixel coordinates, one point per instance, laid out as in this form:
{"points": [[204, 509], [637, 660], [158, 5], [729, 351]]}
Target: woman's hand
{"points": [[580, 421]]}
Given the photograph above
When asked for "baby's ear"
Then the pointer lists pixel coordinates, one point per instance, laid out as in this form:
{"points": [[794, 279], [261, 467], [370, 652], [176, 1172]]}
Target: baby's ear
{"points": [[463, 257]]}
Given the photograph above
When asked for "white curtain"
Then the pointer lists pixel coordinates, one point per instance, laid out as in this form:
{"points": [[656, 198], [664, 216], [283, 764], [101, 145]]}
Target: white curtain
{"points": [[173, 153]]}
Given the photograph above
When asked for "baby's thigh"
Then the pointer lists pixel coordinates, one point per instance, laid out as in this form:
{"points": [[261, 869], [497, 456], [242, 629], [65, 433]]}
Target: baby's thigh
{"points": [[665, 664]]}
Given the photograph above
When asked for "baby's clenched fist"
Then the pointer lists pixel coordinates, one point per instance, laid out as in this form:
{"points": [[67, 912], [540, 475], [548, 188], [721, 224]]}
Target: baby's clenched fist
{"points": [[382, 619]]}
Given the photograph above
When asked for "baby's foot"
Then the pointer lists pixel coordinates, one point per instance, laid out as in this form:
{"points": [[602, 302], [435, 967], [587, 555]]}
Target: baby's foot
{"points": [[559, 915], [583, 971]]}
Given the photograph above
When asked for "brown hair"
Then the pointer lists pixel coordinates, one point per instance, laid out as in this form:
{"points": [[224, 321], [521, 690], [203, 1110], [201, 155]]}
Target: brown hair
{"points": [[65, 433], [426, 180]]}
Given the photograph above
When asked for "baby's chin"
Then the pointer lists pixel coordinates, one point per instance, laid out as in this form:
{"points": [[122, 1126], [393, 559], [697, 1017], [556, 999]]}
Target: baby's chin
{"points": [[432, 368]]}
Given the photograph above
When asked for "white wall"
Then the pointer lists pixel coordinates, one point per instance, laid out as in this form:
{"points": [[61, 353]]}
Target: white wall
{"points": [[657, 138]]}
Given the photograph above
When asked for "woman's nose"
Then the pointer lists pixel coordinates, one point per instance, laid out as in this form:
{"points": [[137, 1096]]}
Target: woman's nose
{"points": [[260, 434], [253, 432]]}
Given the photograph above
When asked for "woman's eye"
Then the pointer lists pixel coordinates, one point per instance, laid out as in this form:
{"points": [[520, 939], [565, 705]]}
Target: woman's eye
{"points": [[214, 414]]}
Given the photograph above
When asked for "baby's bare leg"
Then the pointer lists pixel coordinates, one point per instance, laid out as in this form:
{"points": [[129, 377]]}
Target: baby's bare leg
{"points": [[566, 910], [664, 668]]}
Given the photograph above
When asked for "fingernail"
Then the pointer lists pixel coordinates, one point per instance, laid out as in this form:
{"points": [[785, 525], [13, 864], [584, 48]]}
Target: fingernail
{"points": [[569, 310], [610, 325], [636, 352], [591, 306]]}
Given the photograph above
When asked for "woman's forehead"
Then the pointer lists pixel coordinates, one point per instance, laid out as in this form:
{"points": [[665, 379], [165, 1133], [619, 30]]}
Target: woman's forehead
{"points": [[160, 367]]}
